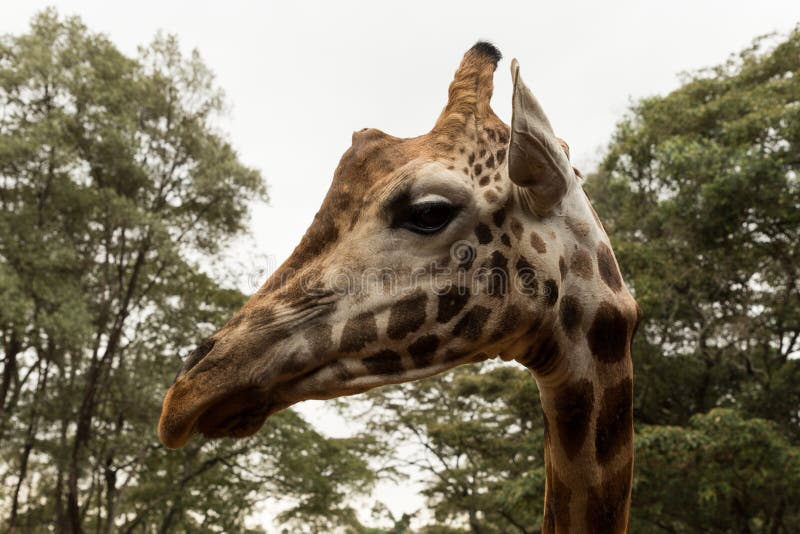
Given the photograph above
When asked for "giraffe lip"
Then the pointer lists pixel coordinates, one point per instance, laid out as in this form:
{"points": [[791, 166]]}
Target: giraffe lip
{"points": [[243, 412], [235, 413], [195, 405]]}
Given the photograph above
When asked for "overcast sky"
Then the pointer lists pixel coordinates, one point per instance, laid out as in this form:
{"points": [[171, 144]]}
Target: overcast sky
{"points": [[300, 77]]}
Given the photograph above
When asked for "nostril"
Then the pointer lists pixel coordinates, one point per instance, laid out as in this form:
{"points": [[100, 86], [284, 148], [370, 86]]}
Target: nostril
{"points": [[197, 354]]}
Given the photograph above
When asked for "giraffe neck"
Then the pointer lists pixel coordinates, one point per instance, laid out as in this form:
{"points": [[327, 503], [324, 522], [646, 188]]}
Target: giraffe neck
{"points": [[589, 451]]}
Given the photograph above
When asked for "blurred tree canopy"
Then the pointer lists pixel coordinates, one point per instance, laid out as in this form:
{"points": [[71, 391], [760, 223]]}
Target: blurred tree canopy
{"points": [[114, 185], [699, 192]]}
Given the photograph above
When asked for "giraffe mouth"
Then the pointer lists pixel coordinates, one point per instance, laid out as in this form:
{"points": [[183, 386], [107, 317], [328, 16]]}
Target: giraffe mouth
{"points": [[219, 412], [237, 414]]}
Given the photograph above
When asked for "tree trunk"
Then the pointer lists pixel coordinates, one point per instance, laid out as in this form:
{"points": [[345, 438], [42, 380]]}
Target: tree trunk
{"points": [[100, 368], [23, 473], [9, 372], [29, 441], [474, 523], [111, 494]]}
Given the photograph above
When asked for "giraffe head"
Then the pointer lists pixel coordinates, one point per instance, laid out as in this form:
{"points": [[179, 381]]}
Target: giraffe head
{"points": [[471, 241]]}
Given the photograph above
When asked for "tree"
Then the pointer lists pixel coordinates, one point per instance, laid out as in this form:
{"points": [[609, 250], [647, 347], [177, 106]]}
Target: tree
{"points": [[114, 187], [720, 473]]}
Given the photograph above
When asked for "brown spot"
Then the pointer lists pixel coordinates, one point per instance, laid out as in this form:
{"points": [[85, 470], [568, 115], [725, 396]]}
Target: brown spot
{"points": [[501, 154], [470, 326], [484, 181], [571, 314], [482, 153], [491, 196], [340, 372], [496, 177], [407, 315], [483, 233], [550, 292], [504, 239], [450, 167], [608, 335], [498, 275], [607, 266], [451, 302], [562, 267], [490, 162], [478, 168], [516, 227], [538, 243], [579, 228], [607, 503], [581, 264], [294, 364], [465, 170], [319, 338], [509, 322], [358, 331], [499, 217], [423, 349], [573, 410], [615, 421], [385, 362]]}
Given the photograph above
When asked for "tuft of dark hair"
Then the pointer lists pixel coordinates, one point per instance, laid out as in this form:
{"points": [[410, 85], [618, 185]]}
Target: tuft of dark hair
{"points": [[488, 49]]}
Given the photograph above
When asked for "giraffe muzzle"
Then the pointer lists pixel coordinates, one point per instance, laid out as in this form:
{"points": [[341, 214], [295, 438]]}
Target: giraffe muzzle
{"points": [[237, 414], [225, 396]]}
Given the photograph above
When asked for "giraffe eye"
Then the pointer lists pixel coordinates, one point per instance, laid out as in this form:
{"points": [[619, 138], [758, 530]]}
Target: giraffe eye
{"points": [[427, 217]]}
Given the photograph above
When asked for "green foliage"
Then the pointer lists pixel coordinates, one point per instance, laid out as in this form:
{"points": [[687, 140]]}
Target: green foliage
{"points": [[114, 185], [720, 473]]}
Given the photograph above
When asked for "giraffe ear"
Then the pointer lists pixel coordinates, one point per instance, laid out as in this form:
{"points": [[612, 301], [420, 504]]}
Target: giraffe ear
{"points": [[536, 159]]}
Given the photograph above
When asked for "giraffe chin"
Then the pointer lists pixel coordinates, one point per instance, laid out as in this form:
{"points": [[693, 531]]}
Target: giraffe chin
{"points": [[237, 415]]}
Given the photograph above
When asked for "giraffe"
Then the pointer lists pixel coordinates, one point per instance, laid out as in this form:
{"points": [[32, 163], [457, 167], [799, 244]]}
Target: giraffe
{"points": [[473, 241]]}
